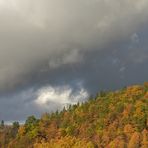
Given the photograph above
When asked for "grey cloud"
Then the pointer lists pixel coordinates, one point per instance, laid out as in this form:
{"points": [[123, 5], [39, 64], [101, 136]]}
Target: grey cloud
{"points": [[36, 101], [34, 31], [98, 43]]}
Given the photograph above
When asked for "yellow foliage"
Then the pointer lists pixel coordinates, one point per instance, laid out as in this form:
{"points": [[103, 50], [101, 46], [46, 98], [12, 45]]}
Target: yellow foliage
{"points": [[127, 110], [128, 130], [110, 120], [135, 90], [135, 140], [21, 131], [144, 138], [65, 142], [117, 143]]}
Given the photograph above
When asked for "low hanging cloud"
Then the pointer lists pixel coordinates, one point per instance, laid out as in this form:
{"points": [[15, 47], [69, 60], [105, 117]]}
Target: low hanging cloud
{"points": [[36, 101], [63, 96], [100, 43]]}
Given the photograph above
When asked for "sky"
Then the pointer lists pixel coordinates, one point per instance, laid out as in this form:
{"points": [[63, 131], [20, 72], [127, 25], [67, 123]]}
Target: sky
{"points": [[59, 52]]}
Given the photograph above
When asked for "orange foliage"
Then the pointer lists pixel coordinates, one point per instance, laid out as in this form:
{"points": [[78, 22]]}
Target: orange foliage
{"points": [[135, 140]]}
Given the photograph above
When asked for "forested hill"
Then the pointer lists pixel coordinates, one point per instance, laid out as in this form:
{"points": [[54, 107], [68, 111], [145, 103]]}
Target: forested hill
{"points": [[110, 120]]}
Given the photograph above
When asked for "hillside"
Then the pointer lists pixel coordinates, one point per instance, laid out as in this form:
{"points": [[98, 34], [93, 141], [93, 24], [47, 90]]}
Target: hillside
{"points": [[109, 120]]}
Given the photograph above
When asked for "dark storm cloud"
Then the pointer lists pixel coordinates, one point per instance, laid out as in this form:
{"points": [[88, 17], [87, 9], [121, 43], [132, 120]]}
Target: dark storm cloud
{"points": [[52, 50]]}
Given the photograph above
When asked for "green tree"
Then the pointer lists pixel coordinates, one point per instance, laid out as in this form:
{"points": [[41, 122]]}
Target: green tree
{"points": [[2, 124], [31, 126], [15, 125], [14, 130]]}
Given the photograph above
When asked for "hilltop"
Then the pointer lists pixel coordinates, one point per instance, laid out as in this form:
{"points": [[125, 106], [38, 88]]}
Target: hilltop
{"points": [[116, 119]]}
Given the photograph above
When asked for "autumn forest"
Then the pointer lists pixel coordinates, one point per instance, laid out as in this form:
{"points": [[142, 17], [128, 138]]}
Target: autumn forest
{"points": [[108, 120]]}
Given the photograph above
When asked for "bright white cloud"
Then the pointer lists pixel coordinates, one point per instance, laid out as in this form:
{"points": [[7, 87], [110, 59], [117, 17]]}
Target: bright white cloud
{"points": [[62, 96]]}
